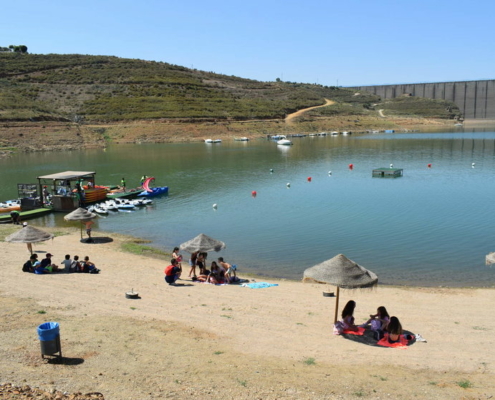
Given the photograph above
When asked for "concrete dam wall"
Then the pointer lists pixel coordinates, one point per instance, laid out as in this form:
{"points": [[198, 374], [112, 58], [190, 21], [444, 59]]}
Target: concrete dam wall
{"points": [[475, 99]]}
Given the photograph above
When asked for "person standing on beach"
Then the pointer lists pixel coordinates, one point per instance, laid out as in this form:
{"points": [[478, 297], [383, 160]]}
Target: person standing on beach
{"points": [[29, 245], [192, 263], [88, 225]]}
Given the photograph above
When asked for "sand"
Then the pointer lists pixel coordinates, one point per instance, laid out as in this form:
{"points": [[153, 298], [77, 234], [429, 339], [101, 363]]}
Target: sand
{"points": [[210, 342]]}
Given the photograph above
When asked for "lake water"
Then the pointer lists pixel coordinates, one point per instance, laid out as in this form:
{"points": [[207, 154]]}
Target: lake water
{"points": [[433, 226]]}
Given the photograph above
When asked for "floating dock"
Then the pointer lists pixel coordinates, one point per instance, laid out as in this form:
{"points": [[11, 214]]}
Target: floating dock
{"points": [[388, 173], [38, 212]]}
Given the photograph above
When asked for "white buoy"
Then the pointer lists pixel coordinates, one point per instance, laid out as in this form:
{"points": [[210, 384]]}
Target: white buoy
{"points": [[215, 206], [288, 184]]}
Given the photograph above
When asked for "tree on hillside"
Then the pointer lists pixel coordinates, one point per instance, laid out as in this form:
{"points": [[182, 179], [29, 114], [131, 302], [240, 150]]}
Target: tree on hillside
{"points": [[18, 49]]}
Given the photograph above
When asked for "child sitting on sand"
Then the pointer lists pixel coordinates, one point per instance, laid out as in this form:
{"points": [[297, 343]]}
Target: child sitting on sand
{"points": [[347, 322], [379, 321]]}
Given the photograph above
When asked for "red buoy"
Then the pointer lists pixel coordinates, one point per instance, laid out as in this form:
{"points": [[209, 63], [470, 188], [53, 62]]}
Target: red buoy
{"points": [[429, 165], [351, 166], [309, 179], [253, 193]]}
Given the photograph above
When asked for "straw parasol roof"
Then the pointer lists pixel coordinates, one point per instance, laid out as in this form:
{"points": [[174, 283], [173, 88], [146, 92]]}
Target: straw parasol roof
{"points": [[343, 273], [80, 214], [202, 243], [29, 234]]}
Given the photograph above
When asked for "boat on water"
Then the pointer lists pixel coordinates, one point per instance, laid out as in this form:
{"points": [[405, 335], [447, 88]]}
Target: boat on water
{"points": [[154, 191], [213, 140], [334, 133], [148, 192], [121, 194], [284, 142], [10, 205], [241, 139]]}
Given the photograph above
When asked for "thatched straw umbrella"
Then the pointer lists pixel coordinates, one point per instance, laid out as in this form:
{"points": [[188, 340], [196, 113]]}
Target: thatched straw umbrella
{"points": [[202, 243], [343, 273], [81, 214], [29, 234]]}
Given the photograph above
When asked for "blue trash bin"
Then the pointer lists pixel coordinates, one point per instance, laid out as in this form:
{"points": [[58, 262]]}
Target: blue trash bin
{"points": [[49, 335]]}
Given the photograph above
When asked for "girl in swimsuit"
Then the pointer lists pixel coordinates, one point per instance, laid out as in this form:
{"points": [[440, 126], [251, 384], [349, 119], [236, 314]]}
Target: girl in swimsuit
{"points": [[395, 331]]}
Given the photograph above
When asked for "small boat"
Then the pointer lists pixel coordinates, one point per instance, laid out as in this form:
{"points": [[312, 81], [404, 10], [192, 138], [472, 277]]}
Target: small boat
{"points": [[241, 139], [111, 205], [124, 203], [141, 202], [284, 142], [334, 133], [98, 208], [278, 137], [154, 191], [10, 205], [213, 140]]}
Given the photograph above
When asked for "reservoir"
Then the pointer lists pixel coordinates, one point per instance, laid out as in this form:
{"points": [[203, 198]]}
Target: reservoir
{"points": [[433, 226]]}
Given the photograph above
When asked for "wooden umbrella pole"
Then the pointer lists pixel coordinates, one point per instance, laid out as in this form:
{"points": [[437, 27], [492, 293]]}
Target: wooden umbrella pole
{"points": [[336, 306]]}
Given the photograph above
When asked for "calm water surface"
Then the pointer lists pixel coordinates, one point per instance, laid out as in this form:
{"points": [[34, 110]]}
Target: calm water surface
{"points": [[433, 226]]}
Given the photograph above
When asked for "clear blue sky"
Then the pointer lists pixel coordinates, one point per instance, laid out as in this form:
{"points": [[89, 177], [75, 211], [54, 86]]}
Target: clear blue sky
{"points": [[358, 42]]}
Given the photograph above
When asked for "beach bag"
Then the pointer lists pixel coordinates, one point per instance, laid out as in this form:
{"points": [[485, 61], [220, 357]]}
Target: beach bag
{"points": [[27, 266], [338, 328]]}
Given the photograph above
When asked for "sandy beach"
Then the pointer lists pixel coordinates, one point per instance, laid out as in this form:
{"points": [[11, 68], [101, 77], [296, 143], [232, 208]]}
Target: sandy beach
{"points": [[209, 342]]}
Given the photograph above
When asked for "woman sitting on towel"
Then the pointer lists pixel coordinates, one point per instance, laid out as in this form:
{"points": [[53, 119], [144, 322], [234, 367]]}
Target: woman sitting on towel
{"points": [[394, 334], [348, 316], [379, 321]]}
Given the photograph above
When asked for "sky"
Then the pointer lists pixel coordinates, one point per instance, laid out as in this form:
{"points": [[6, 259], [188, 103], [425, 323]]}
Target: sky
{"points": [[329, 42]]}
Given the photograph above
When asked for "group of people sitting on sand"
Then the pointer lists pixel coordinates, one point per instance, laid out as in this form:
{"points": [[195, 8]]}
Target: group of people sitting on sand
{"points": [[45, 266], [387, 329], [220, 272]]}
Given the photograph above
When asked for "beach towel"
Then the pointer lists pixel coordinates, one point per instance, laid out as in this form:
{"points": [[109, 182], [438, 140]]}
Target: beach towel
{"points": [[259, 285], [401, 344], [369, 338], [359, 332]]}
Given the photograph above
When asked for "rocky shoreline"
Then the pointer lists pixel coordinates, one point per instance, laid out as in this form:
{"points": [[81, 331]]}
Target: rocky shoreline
{"points": [[62, 136]]}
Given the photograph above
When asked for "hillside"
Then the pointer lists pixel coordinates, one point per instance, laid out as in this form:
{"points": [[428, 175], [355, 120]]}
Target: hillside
{"points": [[105, 89], [56, 102], [97, 88]]}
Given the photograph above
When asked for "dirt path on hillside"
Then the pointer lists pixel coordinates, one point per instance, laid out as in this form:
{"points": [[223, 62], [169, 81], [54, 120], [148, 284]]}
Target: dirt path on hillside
{"points": [[290, 117]]}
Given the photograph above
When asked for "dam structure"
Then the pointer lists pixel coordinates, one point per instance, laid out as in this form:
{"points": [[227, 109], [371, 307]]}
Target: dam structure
{"points": [[475, 99]]}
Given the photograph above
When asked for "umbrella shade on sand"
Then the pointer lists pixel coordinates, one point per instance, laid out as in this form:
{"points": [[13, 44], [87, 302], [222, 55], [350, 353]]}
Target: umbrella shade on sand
{"points": [[81, 214], [29, 234], [343, 273], [202, 243]]}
